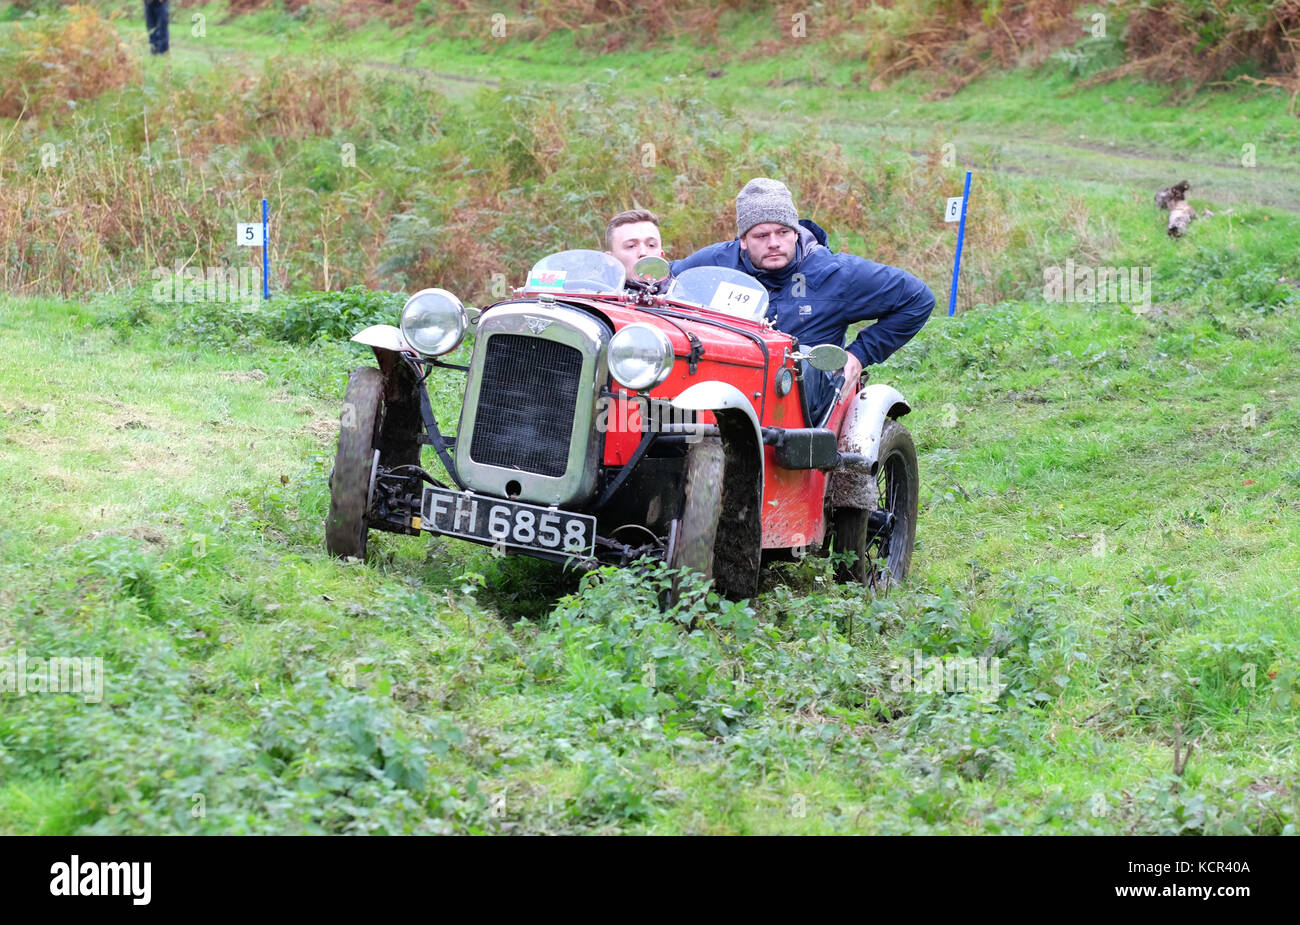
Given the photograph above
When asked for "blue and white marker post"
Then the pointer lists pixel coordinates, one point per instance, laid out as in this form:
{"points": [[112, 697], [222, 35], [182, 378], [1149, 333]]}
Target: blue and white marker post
{"points": [[950, 215], [265, 246], [251, 234]]}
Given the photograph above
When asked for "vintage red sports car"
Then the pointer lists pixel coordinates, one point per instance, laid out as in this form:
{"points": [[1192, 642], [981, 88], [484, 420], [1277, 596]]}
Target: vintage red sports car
{"points": [[604, 421]]}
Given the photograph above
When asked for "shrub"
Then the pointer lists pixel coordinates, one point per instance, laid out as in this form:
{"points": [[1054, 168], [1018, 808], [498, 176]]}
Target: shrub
{"points": [[61, 58]]}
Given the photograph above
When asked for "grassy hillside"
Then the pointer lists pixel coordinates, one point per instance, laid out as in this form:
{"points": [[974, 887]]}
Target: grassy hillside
{"points": [[383, 170], [1109, 490], [1108, 507], [959, 40]]}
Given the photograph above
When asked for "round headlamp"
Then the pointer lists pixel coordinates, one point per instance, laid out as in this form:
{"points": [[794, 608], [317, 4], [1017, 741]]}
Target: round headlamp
{"points": [[434, 321], [640, 356]]}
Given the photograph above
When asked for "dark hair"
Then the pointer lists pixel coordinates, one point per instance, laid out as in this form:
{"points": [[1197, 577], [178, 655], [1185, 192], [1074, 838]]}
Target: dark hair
{"points": [[627, 218]]}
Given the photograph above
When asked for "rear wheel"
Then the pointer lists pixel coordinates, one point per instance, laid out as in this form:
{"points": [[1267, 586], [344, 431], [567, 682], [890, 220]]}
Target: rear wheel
{"points": [[354, 464], [887, 534]]}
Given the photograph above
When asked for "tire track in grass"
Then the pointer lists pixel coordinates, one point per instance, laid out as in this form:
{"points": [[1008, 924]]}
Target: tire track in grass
{"points": [[1047, 158], [454, 84]]}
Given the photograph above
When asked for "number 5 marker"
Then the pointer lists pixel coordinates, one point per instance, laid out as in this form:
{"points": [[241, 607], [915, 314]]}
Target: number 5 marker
{"points": [[250, 234], [254, 234]]}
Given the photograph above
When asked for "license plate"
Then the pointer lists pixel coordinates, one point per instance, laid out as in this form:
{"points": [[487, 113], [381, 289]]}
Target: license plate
{"points": [[507, 523]]}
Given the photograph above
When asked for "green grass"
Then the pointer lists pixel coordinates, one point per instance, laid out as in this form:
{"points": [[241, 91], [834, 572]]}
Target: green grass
{"points": [[165, 515], [801, 86], [1056, 169], [1109, 504]]}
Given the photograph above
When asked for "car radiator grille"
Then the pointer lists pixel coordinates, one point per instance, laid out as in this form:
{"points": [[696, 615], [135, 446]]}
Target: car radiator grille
{"points": [[527, 398]]}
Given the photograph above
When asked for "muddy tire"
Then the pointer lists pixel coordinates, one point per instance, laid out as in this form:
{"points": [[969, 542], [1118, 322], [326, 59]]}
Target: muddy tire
{"points": [[346, 528], [898, 492], [697, 528]]}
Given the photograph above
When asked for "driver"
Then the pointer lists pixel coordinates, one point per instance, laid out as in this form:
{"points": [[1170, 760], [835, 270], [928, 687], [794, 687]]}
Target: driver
{"points": [[815, 294], [631, 235]]}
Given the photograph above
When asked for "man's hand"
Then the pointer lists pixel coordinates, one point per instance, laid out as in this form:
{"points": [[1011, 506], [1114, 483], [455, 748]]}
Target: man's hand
{"points": [[852, 372]]}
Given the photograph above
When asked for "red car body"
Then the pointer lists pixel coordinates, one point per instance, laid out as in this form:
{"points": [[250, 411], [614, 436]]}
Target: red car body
{"points": [[710, 462]]}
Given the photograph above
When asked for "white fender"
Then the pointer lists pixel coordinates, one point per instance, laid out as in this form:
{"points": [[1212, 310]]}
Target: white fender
{"points": [[718, 396], [860, 433], [383, 337], [740, 520], [722, 396]]}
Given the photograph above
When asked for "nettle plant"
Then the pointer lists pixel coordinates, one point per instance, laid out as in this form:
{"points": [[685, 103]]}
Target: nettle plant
{"points": [[610, 645]]}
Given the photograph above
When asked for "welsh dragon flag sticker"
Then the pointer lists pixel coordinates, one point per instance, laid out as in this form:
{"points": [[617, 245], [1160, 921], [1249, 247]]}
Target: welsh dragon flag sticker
{"points": [[547, 279]]}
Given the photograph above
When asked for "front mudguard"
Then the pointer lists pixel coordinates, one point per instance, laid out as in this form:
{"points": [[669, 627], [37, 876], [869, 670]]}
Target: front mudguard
{"points": [[388, 344], [737, 421], [739, 540], [384, 337], [399, 436], [855, 486]]}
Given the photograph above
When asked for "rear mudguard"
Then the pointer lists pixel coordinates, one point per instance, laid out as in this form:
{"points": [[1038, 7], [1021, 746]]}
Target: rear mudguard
{"points": [[855, 487]]}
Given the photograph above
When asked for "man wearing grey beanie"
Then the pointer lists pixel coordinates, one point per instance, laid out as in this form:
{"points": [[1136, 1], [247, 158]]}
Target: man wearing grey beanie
{"points": [[814, 293]]}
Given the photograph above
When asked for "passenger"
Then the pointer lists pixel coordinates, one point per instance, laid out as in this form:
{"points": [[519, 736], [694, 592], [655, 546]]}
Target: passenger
{"points": [[631, 235], [815, 294]]}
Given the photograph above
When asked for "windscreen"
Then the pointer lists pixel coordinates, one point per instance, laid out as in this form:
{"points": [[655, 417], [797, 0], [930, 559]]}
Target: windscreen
{"points": [[722, 290], [576, 271]]}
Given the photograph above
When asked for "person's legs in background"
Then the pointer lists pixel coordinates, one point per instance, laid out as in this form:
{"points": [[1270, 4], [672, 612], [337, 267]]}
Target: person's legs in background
{"points": [[155, 20]]}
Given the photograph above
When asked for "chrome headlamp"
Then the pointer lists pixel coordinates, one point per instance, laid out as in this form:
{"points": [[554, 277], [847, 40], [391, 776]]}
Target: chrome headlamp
{"points": [[434, 322], [640, 356]]}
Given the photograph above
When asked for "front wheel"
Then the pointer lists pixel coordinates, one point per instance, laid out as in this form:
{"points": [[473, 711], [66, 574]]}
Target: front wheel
{"points": [[719, 532], [887, 534], [354, 464], [697, 528]]}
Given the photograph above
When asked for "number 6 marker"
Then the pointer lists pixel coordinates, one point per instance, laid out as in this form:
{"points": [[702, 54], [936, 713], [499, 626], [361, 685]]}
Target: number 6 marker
{"points": [[961, 204]]}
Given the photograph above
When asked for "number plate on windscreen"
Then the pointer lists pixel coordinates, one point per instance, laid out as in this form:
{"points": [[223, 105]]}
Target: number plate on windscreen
{"points": [[509, 523]]}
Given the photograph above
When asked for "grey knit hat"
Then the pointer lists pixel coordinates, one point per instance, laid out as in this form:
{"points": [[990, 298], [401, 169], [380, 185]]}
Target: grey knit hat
{"points": [[764, 200]]}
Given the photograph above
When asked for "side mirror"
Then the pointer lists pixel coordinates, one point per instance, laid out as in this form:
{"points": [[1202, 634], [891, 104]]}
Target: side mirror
{"points": [[828, 357], [650, 269]]}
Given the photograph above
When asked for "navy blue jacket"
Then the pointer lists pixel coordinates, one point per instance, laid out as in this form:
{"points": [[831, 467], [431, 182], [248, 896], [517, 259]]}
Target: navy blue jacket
{"points": [[816, 296]]}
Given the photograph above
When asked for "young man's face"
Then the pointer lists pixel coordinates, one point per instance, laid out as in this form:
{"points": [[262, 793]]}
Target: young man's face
{"points": [[630, 242], [770, 245]]}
